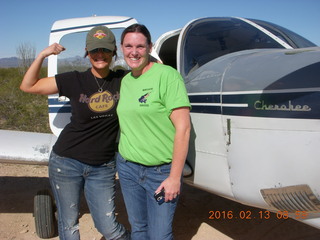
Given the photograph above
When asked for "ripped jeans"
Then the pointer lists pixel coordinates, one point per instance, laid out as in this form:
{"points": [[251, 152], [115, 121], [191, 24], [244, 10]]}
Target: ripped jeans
{"points": [[68, 178]]}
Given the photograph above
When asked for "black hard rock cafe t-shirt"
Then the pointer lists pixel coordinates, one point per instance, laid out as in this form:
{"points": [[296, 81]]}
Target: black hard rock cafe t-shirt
{"points": [[90, 137]]}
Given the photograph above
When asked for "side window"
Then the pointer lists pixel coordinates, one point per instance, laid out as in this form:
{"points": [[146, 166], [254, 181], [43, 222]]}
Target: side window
{"points": [[73, 57], [208, 39]]}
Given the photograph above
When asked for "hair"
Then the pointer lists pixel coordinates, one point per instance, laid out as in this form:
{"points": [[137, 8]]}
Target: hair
{"points": [[138, 28], [115, 55]]}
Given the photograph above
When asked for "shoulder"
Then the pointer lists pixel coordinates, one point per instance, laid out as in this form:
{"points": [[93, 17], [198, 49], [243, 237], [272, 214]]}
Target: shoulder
{"points": [[165, 68], [69, 75], [166, 72]]}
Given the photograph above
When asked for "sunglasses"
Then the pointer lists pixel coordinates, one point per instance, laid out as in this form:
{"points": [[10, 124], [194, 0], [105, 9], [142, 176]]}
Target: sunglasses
{"points": [[97, 50]]}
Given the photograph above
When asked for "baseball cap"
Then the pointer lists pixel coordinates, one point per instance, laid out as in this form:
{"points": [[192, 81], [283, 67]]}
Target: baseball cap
{"points": [[100, 37]]}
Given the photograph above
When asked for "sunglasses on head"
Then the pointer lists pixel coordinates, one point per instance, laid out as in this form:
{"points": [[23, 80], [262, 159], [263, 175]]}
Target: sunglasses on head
{"points": [[96, 50]]}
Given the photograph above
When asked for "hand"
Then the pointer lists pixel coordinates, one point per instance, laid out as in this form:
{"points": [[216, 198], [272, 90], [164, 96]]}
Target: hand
{"points": [[171, 187], [53, 49]]}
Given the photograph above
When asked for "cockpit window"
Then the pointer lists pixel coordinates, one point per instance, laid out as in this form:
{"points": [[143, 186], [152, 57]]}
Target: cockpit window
{"points": [[208, 39], [73, 58]]}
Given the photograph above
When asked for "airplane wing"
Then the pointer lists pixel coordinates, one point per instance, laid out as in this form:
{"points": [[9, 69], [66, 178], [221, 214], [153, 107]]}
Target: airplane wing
{"points": [[25, 147]]}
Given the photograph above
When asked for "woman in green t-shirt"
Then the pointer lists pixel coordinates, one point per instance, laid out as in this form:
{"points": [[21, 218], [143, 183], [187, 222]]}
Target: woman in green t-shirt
{"points": [[154, 115]]}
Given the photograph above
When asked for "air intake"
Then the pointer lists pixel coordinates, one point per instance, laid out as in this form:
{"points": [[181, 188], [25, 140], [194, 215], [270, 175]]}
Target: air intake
{"points": [[292, 198]]}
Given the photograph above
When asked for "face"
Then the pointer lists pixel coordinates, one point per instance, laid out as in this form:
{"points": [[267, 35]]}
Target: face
{"points": [[136, 52], [100, 58]]}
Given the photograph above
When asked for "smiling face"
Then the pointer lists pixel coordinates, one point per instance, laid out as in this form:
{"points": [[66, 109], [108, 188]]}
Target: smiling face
{"points": [[100, 60], [136, 52]]}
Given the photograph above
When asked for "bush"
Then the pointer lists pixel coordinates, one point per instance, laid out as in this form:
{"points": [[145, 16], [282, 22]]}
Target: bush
{"points": [[18, 110]]}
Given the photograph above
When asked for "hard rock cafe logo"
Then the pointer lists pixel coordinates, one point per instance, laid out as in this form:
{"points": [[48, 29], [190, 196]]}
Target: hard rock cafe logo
{"points": [[100, 102]]}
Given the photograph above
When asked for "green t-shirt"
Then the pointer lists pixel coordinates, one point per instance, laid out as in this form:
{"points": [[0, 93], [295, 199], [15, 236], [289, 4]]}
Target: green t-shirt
{"points": [[144, 109]]}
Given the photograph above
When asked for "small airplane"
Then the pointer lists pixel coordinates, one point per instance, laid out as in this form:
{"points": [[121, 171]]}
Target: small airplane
{"points": [[255, 95]]}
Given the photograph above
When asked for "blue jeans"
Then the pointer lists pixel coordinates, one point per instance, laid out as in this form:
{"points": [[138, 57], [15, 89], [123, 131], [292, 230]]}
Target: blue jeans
{"points": [[68, 178], [148, 219]]}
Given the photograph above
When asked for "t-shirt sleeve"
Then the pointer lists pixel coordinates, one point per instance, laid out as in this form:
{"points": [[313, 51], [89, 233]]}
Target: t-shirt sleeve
{"points": [[174, 93], [65, 83]]}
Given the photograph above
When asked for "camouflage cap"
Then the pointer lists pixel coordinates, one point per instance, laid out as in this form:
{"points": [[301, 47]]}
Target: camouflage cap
{"points": [[100, 37]]}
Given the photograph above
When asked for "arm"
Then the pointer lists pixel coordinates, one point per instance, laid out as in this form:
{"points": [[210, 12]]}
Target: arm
{"points": [[180, 118], [31, 82]]}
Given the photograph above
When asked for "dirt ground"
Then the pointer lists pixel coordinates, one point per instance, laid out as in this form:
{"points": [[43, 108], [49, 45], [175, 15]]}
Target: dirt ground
{"points": [[20, 183]]}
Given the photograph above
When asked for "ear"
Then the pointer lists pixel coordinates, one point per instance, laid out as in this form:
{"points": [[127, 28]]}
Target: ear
{"points": [[86, 54]]}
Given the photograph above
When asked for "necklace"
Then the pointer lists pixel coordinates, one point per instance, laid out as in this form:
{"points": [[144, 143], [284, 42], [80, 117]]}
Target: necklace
{"points": [[100, 89]]}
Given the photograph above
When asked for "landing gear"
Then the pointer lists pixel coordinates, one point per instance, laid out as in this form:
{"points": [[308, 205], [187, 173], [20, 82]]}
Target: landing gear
{"points": [[44, 215]]}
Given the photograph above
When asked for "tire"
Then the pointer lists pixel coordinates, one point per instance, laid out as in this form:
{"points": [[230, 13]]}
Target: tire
{"points": [[44, 214]]}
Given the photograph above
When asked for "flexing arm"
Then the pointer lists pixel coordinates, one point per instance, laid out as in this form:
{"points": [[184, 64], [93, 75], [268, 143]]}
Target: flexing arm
{"points": [[180, 118], [31, 82]]}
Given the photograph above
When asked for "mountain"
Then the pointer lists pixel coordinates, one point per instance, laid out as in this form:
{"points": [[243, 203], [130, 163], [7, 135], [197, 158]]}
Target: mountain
{"points": [[13, 62], [8, 62]]}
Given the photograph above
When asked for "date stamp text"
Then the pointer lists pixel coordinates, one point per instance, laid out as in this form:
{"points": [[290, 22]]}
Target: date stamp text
{"points": [[249, 215]]}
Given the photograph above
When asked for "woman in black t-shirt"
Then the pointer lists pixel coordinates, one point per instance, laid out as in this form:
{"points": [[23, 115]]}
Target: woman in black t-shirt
{"points": [[82, 159]]}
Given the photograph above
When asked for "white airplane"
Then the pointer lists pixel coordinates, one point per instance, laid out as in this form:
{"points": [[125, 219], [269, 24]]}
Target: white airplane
{"points": [[255, 95]]}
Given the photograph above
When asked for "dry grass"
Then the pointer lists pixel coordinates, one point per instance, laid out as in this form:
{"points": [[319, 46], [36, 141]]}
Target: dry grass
{"points": [[18, 110]]}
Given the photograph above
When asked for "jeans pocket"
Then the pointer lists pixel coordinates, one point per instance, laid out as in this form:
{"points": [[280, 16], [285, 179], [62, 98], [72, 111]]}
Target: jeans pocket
{"points": [[164, 169], [111, 164], [53, 155], [55, 160]]}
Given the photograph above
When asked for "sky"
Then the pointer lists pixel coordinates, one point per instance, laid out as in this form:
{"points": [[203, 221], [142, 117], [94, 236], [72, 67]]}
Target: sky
{"points": [[29, 22]]}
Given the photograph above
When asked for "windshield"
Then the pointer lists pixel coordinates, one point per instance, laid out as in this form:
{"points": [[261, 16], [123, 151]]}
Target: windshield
{"points": [[293, 39], [210, 38]]}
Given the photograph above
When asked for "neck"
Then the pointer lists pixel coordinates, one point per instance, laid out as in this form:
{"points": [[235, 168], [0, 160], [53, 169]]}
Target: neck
{"points": [[100, 73], [138, 72]]}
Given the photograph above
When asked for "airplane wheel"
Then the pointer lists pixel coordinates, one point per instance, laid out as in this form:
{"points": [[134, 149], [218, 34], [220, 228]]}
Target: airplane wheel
{"points": [[44, 214]]}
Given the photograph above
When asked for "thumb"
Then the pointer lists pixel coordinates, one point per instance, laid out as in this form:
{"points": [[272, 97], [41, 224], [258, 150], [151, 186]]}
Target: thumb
{"points": [[159, 188]]}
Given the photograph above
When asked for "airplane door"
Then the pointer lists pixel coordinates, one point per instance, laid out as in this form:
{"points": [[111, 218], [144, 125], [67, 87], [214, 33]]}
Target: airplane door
{"points": [[208, 145]]}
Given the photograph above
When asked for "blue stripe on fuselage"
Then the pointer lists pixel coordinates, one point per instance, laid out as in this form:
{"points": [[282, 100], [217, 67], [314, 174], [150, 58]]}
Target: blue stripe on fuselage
{"points": [[60, 109], [56, 106], [300, 105], [91, 25]]}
